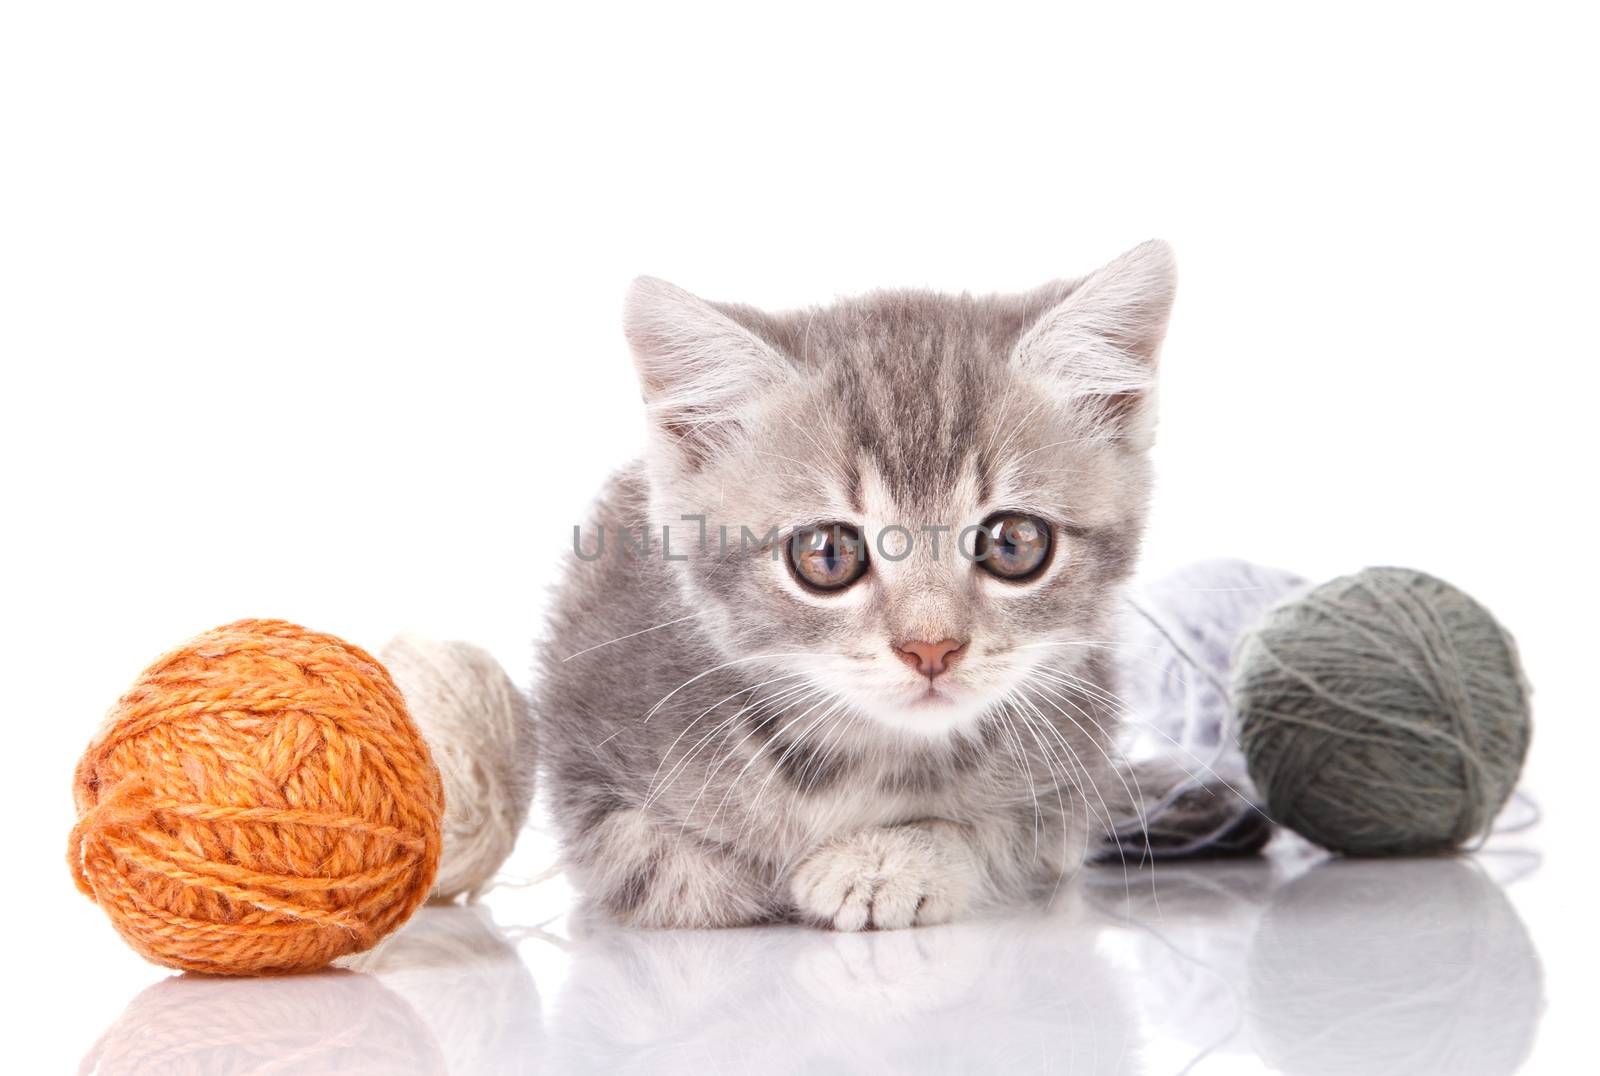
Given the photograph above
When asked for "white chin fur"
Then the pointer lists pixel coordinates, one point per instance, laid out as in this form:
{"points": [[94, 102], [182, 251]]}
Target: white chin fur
{"points": [[932, 718]]}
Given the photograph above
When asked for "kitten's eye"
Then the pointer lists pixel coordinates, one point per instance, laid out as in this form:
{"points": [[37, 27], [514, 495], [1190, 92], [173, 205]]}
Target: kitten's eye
{"points": [[1013, 546], [830, 557]]}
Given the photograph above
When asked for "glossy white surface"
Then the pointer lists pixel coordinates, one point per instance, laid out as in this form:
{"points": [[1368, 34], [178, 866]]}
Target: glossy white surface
{"points": [[312, 311], [1288, 964]]}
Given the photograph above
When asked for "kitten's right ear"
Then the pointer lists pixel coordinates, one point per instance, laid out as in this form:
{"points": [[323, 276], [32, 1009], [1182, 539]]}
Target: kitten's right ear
{"points": [[698, 368]]}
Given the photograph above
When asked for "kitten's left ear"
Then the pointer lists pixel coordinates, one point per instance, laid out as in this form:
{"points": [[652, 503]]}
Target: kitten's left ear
{"points": [[1101, 342]]}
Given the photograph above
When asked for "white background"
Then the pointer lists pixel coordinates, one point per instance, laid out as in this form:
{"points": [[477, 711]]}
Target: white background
{"points": [[311, 311]]}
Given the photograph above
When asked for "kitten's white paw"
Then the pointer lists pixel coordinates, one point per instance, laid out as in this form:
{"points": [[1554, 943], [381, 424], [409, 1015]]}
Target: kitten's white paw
{"points": [[885, 879]]}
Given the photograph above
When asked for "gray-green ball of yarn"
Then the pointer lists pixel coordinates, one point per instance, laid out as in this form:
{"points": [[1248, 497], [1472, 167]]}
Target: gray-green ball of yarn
{"points": [[1382, 713]]}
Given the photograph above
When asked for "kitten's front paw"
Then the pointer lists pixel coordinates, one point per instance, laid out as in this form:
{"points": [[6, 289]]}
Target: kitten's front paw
{"points": [[885, 879]]}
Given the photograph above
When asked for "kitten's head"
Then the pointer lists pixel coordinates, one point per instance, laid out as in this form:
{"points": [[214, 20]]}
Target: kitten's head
{"points": [[911, 501]]}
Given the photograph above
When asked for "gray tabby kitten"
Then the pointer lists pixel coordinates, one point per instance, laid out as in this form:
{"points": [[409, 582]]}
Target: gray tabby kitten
{"points": [[890, 702]]}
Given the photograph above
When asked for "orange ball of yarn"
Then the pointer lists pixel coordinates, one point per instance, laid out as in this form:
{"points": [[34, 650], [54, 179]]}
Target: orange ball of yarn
{"points": [[259, 801]]}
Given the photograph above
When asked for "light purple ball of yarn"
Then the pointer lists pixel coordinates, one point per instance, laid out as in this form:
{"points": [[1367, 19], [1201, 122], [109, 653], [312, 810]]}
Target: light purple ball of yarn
{"points": [[1178, 636]]}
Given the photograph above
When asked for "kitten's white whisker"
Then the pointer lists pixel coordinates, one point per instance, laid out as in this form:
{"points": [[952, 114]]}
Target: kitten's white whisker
{"points": [[793, 698], [1136, 795], [816, 764], [667, 754], [1067, 679], [1058, 773], [1051, 763], [1095, 692], [1075, 760], [1024, 771], [1135, 801], [822, 720], [630, 635], [1122, 650], [755, 754], [833, 714], [1053, 444], [1107, 817], [724, 665], [751, 813]]}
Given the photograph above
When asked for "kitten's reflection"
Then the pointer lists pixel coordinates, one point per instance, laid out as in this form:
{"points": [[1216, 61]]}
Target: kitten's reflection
{"points": [[1181, 932], [330, 1022], [1413, 967], [446, 994], [1028, 994]]}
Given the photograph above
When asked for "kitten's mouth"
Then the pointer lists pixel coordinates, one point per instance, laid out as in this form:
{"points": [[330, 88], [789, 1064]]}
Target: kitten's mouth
{"points": [[931, 709], [932, 696]]}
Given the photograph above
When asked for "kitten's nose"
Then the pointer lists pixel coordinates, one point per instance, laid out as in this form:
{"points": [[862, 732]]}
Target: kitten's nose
{"points": [[930, 659]]}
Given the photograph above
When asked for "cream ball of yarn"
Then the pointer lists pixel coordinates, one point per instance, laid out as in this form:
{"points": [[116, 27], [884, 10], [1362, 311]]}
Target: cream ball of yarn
{"points": [[479, 728]]}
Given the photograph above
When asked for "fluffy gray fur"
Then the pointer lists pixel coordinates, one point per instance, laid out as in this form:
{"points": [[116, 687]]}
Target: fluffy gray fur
{"points": [[724, 746]]}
